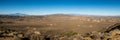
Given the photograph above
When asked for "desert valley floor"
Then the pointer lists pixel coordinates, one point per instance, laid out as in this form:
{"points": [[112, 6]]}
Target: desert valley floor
{"points": [[59, 27]]}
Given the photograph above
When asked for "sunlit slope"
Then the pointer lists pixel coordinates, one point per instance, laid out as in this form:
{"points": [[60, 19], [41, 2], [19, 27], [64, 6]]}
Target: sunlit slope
{"points": [[62, 22]]}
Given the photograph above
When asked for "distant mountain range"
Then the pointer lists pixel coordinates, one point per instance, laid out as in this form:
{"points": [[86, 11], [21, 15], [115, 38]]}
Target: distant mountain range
{"points": [[22, 14], [18, 14]]}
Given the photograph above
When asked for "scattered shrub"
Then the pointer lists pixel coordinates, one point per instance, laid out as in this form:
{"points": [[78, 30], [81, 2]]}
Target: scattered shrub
{"points": [[70, 33]]}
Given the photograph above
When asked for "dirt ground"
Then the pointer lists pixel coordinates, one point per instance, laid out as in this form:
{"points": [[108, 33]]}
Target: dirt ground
{"points": [[59, 25]]}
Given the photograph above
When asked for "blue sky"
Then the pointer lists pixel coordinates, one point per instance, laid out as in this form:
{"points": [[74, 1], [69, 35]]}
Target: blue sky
{"points": [[45, 7]]}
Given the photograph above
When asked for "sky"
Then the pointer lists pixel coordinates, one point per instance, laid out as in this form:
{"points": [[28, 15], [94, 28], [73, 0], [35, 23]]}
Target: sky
{"points": [[46, 7]]}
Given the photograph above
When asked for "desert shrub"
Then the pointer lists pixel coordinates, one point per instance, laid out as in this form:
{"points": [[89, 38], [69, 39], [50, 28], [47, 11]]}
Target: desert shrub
{"points": [[3, 28], [21, 19], [70, 33], [1, 22], [34, 37]]}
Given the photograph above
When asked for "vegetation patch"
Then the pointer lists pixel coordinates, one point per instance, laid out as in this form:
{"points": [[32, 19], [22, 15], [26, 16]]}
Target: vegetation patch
{"points": [[70, 33]]}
